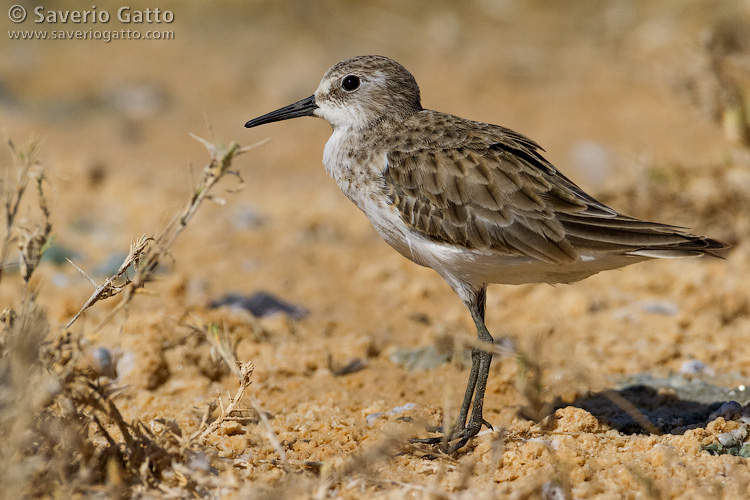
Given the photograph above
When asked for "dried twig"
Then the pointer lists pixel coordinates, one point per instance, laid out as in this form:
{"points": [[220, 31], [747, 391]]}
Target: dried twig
{"points": [[35, 241], [27, 167], [146, 253], [221, 342], [110, 288], [222, 345], [246, 370]]}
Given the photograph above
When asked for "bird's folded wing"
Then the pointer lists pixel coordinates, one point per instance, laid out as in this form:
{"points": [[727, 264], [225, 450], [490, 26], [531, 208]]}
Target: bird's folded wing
{"points": [[498, 193]]}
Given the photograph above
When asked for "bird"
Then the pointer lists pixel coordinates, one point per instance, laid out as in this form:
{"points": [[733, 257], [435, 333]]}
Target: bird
{"points": [[478, 203]]}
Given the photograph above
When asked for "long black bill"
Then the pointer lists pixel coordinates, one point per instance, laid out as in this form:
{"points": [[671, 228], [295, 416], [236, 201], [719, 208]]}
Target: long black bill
{"points": [[305, 107]]}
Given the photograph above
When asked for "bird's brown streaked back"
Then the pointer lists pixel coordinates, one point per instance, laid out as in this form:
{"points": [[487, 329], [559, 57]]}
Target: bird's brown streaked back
{"points": [[486, 188]]}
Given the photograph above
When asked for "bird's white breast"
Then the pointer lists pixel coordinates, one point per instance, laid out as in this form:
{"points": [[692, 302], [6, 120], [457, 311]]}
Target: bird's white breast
{"points": [[362, 183]]}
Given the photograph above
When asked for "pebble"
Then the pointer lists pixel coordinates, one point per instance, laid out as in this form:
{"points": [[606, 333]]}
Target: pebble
{"points": [[731, 410], [552, 490], [401, 409], [260, 304], [60, 279], [740, 432], [696, 367], [200, 462], [728, 439], [103, 362], [661, 307], [230, 428], [138, 101], [372, 417]]}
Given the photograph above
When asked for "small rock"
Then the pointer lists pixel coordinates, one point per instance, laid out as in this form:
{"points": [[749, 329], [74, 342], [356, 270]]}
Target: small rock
{"points": [[200, 462], [230, 428], [661, 307], [731, 410], [403, 408], [352, 366], [740, 432], [696, 367], [728, 439], [143, 363], [104, 362], [260, 304], [60, 280], [553, 491], [372, 417], [745, 417], [125, 365]]}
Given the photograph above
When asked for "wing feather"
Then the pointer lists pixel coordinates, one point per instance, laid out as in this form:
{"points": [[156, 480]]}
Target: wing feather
{"points": [[489, 188]]}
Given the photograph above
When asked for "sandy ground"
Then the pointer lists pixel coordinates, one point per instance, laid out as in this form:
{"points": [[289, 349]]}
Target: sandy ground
{"points": [[620, 96]]}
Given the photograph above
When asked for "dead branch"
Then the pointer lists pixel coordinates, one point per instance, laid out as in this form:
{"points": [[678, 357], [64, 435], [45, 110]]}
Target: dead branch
{"points": [[25, 161], [146, 253]]}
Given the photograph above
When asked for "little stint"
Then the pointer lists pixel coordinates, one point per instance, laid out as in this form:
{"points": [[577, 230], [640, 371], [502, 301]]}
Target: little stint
{"points": [[478, 203]]}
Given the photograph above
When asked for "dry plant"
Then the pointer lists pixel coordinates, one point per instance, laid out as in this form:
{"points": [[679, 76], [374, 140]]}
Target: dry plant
{"points": [[225, 347], [31, 242], [63, 432], [147, 252], [728, 51], [25, 328], [718, 82]]}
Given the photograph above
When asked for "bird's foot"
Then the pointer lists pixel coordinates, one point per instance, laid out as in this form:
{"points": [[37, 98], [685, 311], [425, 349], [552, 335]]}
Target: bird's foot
{"points": [[457, 438]]}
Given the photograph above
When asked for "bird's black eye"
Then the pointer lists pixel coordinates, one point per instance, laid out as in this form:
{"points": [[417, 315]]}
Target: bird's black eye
{"points": [[350, 83]]}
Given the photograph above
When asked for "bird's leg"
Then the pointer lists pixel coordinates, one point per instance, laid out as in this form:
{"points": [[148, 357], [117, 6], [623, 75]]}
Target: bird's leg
{"points": [[481, 357], [477, 309], [463, 414]]}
